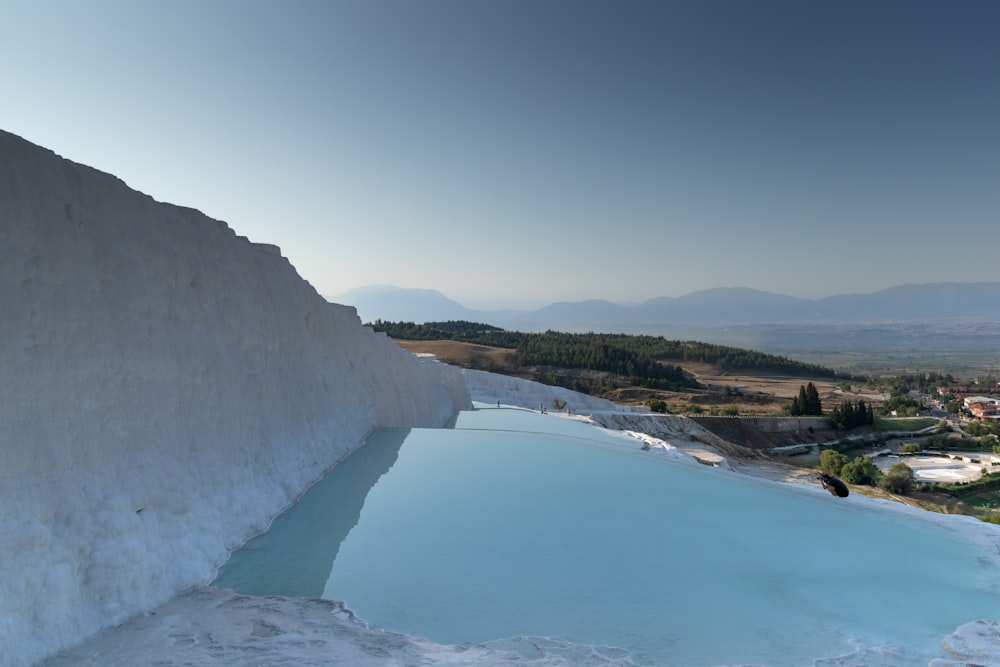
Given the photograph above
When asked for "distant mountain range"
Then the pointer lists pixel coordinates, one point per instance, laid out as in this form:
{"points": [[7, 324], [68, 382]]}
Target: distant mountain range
{"points": [[719, 307]]}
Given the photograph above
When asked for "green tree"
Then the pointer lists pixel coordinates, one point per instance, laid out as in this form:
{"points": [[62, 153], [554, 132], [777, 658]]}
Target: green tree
{"points": [[813, 404], [656, 405], [862, 470], [807, 402], [850, 415], [831, 461], [899, 479], [799, 402]]}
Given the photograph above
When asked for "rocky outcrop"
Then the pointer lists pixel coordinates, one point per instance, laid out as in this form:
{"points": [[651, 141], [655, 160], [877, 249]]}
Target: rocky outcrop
{"points": [[166, 387]]}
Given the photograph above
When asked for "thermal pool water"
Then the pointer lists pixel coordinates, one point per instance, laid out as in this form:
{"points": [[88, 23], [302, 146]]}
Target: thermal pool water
{"points": [[536, 533]]}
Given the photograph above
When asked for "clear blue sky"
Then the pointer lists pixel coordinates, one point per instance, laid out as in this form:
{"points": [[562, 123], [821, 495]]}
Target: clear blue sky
{"points": [[515, 153]]}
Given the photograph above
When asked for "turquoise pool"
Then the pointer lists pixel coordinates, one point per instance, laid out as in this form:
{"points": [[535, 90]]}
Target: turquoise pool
{"points": [[517, 530]]}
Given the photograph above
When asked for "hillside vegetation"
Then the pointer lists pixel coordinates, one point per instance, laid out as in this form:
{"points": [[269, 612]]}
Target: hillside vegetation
{"points": [[603, 361], [717, 381]]}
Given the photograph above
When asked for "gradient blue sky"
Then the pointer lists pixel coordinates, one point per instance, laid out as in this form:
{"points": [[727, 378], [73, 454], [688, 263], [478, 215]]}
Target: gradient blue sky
{"points": [[516, 153]]}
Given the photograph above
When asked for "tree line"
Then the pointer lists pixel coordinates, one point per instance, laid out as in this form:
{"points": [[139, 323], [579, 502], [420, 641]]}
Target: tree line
{"points": [[459, 330], [928, 383], [594, 352], [851, 414], [807, 402], [646, 360]]}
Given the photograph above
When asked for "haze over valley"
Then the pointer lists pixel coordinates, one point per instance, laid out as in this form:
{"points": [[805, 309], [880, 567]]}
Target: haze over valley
{"points": [[519, 155], [934, 326]]}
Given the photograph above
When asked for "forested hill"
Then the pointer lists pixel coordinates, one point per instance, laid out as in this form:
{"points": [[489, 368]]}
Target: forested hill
{"points": [[645, 358]]}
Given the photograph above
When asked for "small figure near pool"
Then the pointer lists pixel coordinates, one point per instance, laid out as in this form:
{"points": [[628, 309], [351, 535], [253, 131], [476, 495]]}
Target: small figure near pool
{"points": [[833, 485]]}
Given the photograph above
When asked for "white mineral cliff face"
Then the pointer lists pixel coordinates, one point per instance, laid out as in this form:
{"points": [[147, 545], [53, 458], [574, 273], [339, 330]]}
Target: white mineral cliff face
{"points": [[166, 387]]}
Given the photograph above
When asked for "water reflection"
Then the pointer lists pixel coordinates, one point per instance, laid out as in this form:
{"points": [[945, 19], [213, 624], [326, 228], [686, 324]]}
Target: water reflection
{"points": [[323, 517], [521, 525]]}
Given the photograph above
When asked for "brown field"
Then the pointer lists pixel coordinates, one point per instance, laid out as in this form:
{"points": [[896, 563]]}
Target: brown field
{"points": [[760, 393], [466, 355]]}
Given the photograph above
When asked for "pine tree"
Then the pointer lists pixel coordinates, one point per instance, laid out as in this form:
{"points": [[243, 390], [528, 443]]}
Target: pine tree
{"points": [[799, 402], [813, 406]]}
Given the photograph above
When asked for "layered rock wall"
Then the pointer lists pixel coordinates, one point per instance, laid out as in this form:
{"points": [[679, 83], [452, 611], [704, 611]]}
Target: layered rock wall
{"points": [[166, 387]]}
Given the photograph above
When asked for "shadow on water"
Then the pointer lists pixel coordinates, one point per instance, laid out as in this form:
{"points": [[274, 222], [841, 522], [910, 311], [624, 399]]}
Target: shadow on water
{"points": [[304, 572], [519, 525], [452, 421]]}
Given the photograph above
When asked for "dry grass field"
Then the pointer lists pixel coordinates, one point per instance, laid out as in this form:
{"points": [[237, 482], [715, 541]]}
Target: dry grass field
{"points": [[466, 355], [761, 393]]}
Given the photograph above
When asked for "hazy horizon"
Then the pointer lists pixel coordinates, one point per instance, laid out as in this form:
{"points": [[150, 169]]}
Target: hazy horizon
{"points": [[518, 306], [514, 155]]}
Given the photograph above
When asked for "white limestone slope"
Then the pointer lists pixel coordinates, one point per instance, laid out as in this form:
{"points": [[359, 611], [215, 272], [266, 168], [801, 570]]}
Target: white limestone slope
{"points": [[166, 387], [492, 387], [215, 627]]}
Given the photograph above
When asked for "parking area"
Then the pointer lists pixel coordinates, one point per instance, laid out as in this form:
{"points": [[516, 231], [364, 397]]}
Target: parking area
{"points": [[954, 468]]}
